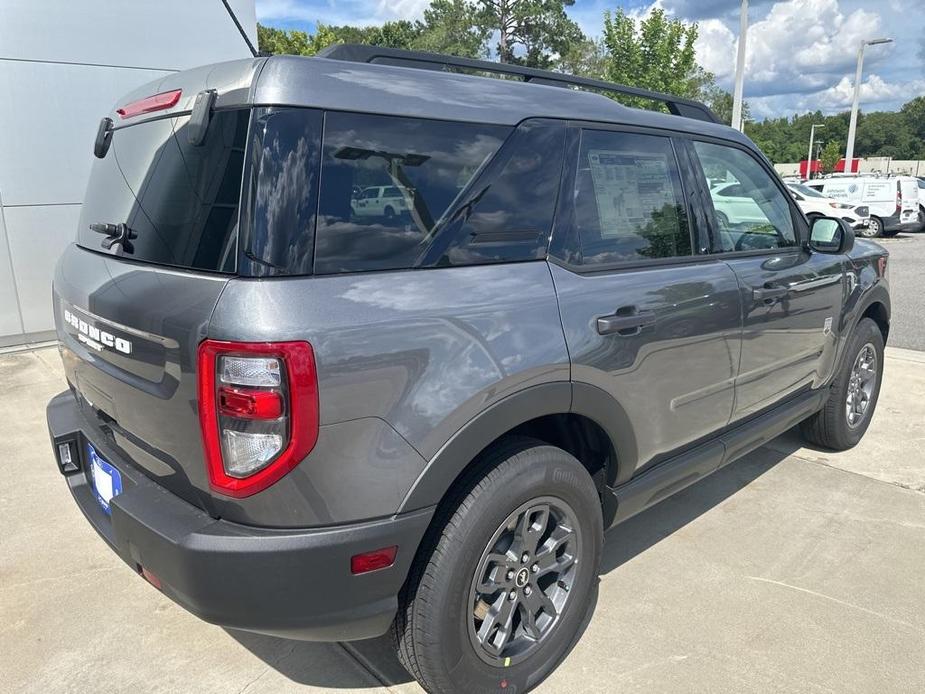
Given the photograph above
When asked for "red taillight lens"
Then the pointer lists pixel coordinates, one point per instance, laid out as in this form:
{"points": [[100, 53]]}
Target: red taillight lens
{"points": [[248, 403], [258, 411], [373, 561], [158, 102]]}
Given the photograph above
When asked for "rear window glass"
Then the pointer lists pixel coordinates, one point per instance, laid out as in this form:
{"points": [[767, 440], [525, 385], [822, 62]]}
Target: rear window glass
{"points": [[179, 202], [421, 167]]}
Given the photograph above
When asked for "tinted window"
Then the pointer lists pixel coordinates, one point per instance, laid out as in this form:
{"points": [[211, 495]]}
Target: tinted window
{"points": [[179, 201], [757, 215], [427, 163], [733, 191], [285, 156], [628, 199], [507, 214]]}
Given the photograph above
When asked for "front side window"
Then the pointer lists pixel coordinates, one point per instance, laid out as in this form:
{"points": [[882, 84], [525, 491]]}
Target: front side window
{"points": [[628, 199], [751, 212], [417, 169]]}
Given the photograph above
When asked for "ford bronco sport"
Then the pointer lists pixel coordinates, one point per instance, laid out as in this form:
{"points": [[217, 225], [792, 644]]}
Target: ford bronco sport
{"points": [[299, 420]]}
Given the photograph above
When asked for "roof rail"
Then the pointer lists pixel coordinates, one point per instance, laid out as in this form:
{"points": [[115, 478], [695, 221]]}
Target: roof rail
{"points": [[432, 61]]}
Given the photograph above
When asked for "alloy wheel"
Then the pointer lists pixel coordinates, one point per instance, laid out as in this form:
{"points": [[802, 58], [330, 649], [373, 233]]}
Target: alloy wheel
{"points": [[523, 581], [861, 383]]}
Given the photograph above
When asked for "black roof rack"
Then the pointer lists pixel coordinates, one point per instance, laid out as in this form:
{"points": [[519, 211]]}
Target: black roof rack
{"points": [[433, 61]]}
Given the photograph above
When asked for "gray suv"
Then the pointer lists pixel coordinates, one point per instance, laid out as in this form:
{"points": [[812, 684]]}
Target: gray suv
{"points": [[297, 419]]}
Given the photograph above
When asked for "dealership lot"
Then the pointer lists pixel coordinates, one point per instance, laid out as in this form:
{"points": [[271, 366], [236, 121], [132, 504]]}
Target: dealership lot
{"points": [[907, 289], [791, 570]]}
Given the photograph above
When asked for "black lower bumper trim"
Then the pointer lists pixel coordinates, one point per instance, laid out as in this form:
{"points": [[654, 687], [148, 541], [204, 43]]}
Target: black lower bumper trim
{"points": [[288, 583]]}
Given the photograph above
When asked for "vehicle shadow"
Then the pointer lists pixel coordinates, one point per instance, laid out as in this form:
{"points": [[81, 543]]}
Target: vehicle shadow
{"points": [[309, 663]]}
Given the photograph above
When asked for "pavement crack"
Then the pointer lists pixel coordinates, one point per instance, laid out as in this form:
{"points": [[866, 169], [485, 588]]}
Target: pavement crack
{"points": [[837, 601], [823, 463]]}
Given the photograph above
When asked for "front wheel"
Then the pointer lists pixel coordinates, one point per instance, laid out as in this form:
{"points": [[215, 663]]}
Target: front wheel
{"points": [[873, 230], [853, 398], [502, 588]]}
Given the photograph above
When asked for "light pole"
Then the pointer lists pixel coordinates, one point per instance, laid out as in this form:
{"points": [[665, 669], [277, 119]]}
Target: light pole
{"points": [[852, 126], [809, 159], [740, 68]]}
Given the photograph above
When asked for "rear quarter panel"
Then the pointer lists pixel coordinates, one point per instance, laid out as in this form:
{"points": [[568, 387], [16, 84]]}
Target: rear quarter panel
{"points": [[405, 359]]}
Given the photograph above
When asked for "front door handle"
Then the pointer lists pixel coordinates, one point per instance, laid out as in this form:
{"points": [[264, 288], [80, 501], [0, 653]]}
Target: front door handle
{"points": [[626, 322], [769, 293]]}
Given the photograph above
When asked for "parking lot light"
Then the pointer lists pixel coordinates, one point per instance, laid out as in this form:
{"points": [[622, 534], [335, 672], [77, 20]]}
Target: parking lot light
{"points": [[809, 159], [852, 126]]}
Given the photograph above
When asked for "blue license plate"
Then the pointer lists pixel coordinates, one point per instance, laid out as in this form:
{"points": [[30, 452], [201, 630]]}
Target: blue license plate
{"points": [[107, 481]]}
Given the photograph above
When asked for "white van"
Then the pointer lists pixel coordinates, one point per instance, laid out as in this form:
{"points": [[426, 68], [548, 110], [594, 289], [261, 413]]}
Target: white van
{"points": [[893, 200]]}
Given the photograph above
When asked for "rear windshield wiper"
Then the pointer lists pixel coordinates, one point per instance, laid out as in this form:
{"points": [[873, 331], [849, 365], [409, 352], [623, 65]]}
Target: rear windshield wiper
{"points": [[115, 233]]}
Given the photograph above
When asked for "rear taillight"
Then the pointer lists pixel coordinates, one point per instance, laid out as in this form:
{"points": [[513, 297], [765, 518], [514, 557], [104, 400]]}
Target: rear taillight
{"points": [[157, 102], [258, 410]]}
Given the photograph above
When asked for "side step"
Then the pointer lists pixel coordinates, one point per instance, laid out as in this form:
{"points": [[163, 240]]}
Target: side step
{"points": [[674, 474]]}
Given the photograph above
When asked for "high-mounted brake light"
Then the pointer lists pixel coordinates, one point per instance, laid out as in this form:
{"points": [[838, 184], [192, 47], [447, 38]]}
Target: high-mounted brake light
{"points": [[258, 411], [157, 102]]}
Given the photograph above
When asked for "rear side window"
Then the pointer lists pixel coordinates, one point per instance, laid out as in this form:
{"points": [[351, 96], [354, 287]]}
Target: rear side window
{"points": [[180, 202], [278, 230], [507, 214], [421, 166], [628, 199]]}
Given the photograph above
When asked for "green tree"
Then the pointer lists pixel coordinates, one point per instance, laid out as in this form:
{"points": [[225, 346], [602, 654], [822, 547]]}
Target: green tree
{"points": [[656, 53], [830, 155], [280, 41], [448, 28], [720, 102], [529, 31], [584, 58]]}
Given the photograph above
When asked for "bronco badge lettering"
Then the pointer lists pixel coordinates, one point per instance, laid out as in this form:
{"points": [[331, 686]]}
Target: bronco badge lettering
{"points": [[95, 338]]}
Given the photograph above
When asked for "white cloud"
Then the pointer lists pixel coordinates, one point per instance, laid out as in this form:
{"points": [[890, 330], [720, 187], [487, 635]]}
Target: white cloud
{"points": [[875, 92]]}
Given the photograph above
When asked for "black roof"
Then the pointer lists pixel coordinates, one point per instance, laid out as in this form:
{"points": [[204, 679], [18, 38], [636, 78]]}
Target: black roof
{"points": [[351, 85]]}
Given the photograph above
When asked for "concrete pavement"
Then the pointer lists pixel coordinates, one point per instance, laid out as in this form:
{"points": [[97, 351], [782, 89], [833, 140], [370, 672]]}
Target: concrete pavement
{"points": [[791, 570], [907, 258]]}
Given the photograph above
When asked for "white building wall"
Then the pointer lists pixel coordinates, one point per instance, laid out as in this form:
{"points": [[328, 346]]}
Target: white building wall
{"points": [[63, 64]]}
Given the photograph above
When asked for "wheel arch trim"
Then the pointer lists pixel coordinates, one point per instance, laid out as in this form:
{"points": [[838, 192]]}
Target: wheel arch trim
{"points": [[560, 397]]}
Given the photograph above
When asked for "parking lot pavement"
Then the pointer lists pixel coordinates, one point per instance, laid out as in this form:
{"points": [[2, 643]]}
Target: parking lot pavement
{"points": [[907, 289], [790, 570]]}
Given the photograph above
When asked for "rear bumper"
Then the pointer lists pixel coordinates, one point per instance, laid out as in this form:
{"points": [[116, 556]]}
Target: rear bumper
{"points": [[288, 583], [894, 223]]}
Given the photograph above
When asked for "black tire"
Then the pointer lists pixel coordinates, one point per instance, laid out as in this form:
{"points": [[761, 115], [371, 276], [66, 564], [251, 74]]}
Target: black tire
{"points": [[872, 231], [830, 427], [435, 630], [389, 211]]}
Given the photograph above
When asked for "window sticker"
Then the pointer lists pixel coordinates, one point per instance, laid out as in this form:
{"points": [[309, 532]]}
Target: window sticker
{"points": [[628, 187]]}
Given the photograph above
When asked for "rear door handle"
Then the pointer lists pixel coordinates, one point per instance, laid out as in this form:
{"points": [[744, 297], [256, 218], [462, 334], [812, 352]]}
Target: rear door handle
{"points": [[769, 293], [624, 322]]}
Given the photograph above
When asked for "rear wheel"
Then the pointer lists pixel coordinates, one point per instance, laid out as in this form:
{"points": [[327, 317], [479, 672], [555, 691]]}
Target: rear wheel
{"points": [[502, 588], [854, 392], [389, 211]]}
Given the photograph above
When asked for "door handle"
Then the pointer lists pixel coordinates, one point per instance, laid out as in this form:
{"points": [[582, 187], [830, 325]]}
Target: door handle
{"points": [[626, 322], [769, 293]]}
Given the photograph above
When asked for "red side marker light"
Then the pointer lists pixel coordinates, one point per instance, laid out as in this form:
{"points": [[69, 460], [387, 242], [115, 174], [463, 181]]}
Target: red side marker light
{"points": [[158, 102], [150, 577], [373, 561]]}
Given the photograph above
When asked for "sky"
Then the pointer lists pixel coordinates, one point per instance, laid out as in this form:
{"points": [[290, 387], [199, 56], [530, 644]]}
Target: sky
{"points": [[800, 54]]}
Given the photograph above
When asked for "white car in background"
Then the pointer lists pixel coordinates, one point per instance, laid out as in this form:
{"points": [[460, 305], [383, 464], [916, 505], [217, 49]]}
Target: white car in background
{"points": [[379, 201], [732, 201], [815, 204]]}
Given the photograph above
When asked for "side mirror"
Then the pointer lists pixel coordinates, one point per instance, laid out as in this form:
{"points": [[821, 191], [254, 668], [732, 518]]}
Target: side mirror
{"points": [[830, 235]]}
